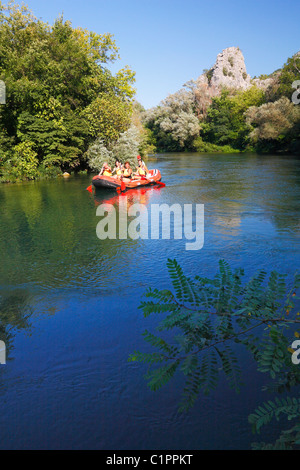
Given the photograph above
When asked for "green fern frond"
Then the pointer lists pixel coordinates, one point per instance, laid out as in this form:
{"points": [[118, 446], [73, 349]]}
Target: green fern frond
{"points": [[200, 317], [146, 358], [152, 307], [160, 343], [268, 410], [191, 391], [209, 375], [230, 367], [159, 377]]}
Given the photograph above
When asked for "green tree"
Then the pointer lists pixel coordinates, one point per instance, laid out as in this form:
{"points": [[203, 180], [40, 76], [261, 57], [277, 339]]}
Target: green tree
{"points": [[125, 149], [226, 121], [60, 94], [275, 126], [108, 116], [174, 123], [284, 79]]}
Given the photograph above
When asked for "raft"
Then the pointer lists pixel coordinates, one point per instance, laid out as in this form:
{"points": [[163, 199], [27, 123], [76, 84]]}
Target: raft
{"points": [[108, 182]]}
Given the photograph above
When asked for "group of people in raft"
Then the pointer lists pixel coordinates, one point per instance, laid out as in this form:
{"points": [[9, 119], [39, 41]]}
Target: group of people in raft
{"points": [[125, 172]]}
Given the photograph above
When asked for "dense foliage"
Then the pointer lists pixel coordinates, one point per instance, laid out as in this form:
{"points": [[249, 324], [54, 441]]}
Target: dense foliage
{"points": [[60, 94], [62, 101], [276, 126], [174, 123], [203, 118], [125, 149], [205, 322]]}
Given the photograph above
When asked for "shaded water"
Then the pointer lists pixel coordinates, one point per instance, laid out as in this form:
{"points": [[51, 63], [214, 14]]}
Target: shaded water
{"points": [[69, 304]]}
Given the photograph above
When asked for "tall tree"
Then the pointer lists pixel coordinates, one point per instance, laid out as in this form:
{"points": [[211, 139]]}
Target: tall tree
{"points": [[60, 93]]}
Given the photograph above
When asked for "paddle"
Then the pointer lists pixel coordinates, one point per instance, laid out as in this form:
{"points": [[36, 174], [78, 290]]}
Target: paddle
{"points": [[90, 189], [160, 184], [122, 187], [156, 182]]}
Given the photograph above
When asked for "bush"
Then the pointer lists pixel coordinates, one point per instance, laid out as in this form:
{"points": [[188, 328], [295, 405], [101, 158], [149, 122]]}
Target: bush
{"points": [[205, 147], [275, 126], [125, 149], [60, 94], [25, 161], [97, 154]]}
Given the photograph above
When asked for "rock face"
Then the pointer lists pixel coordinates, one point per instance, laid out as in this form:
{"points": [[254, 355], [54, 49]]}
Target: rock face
{"points": [[263, 83], [230, 70]]}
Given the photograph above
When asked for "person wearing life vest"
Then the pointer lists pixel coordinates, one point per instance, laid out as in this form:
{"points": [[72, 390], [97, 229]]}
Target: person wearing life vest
{"points": [[127, 173], [106, 170], [139, 159], [118, 170], [142, 170]]}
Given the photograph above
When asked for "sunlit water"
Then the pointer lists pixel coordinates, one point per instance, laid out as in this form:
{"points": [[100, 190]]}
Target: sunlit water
{"points": [[69, 304]]}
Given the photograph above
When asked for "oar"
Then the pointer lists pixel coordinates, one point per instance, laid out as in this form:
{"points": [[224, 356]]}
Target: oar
{"points": [[156, 182], [122, 187], [90, 189]]}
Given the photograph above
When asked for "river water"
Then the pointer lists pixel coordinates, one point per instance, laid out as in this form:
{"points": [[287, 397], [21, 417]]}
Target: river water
{"points": [[69, 304]]}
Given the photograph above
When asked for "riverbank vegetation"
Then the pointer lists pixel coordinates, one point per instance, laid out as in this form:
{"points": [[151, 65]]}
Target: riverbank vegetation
{"points": [[205, 119], [66, 111], [60, 94]]}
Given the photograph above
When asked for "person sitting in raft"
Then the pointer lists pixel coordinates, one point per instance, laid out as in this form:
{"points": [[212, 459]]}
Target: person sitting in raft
{"points": [[118, 170], [106, 170], [142, 170], [127, 171], [139, 159]]}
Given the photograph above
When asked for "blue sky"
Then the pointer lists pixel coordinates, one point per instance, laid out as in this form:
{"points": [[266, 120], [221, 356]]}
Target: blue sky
{"points": [[168, 42]]}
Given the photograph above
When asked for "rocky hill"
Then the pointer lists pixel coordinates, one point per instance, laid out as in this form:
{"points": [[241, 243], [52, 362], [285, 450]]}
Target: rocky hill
{"points": [[230, 71]]}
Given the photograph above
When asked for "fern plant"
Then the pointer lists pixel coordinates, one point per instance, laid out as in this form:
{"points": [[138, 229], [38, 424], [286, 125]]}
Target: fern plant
{"points": [[204, 322]]}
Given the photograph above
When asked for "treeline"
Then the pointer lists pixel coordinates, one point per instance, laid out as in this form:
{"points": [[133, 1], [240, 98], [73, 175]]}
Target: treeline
{"points": [[60, 94], [205, 119], [66, 111]]}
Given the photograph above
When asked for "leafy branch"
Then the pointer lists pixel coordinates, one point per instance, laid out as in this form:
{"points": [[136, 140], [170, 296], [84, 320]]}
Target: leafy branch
{"points": [[205, 321]]}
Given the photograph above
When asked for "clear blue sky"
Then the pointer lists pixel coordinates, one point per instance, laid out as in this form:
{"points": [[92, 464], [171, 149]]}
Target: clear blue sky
{"points": [[168, 42]]}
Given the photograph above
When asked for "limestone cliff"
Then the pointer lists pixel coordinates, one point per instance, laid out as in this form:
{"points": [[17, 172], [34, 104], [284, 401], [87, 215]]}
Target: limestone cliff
{"points": [[230, 71]]}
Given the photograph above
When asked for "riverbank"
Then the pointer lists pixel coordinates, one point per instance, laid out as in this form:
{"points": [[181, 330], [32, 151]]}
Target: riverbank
{"points": [[207, 150]]}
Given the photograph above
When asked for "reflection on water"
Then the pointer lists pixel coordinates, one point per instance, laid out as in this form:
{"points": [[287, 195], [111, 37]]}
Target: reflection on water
{"points": [[69, 302]]}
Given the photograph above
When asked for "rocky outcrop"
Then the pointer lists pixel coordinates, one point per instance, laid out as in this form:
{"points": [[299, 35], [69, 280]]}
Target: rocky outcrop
{"points": [[262, 83], [230, 71]]}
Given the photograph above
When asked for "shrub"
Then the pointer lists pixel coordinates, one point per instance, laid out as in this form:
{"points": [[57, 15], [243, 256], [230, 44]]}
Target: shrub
{"points": [[209, 75], [125, 149], [206, 147], [97, 154], [25, 161]]}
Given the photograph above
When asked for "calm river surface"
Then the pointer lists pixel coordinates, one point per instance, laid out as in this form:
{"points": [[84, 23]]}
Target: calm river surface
{"points": [[69, 304]]}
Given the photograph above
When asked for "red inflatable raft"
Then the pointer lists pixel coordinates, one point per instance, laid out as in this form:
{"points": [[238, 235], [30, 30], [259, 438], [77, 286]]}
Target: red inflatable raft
{"points": [[108, 182]]}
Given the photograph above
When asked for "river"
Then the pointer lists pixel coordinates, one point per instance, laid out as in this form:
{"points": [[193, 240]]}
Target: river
{"points": [[69, 304]]}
